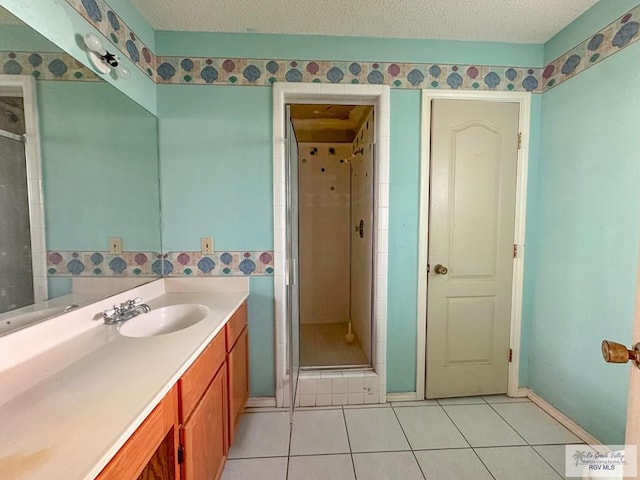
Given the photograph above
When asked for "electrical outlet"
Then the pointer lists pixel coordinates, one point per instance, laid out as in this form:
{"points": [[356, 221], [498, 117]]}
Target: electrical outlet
{"points": [[115, 245], [206, 245]]}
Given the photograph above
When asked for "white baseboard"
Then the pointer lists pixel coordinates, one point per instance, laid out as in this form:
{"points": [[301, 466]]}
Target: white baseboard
{"points": [[261, 402], [402, 397], [523, 393], [572, 426]]}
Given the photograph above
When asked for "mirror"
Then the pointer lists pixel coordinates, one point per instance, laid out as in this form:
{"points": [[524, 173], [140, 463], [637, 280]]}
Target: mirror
{"points": [[93, 227]]}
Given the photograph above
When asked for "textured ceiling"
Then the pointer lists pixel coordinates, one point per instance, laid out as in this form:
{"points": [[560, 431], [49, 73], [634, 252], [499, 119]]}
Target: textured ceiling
{"points": [[519, 21]]}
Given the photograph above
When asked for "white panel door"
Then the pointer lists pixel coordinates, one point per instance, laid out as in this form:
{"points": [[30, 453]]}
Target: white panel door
{"points": [[474, 152]]}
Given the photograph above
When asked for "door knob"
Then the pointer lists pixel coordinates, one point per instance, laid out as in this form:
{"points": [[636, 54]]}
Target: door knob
{"points": [[617, 353], [440, 270]]}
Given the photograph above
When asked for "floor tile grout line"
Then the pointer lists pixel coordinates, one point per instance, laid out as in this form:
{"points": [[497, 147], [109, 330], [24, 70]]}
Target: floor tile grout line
{"points": [[346, 428], [413, 453], [468, 442], [291, 420], [547, 462], [510, 426]]}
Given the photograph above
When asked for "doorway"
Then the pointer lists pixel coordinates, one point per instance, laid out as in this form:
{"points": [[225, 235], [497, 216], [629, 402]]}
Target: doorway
{"points": [[335, 155], [22, 223], [366, 382], [471, 243], [16, 270]]}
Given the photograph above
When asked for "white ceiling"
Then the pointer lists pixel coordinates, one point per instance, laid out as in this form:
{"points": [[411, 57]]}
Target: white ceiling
{"points": [[519, 21]]}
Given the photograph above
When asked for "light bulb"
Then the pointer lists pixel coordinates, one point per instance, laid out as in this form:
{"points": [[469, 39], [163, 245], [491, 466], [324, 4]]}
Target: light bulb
{"points": [[122, 71], [93, 43]]}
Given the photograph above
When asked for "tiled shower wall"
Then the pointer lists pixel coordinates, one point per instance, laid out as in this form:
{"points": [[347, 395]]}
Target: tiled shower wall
{"points": [[324, 232], [362, 246]]}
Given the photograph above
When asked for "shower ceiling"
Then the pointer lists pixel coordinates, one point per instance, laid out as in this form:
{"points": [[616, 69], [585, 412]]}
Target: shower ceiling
{"points": [[517, 21], [328, 123]]}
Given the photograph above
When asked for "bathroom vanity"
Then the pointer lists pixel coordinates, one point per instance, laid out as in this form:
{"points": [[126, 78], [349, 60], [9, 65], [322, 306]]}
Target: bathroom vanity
{"points": [[81, 400]]}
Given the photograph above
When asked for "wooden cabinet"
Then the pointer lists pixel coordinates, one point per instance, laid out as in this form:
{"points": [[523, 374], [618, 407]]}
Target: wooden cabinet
{"points": [[238, 368], [151, 448], [204, 413], [188, 435], [204, 434], [196, 379]]}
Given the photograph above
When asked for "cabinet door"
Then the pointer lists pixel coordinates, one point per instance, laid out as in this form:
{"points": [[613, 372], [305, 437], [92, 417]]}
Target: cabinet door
{"points": [[150, 448], [204, 433], [238, 363]]}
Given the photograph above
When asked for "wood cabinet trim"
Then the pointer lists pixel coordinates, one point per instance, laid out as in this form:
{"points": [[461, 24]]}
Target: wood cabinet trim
{"points": [[236, 325], [238, 378], [197, 378]]}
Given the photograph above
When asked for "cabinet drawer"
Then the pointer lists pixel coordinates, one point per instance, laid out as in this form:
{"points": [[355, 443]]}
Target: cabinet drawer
{"points": [[197, 378], [235, 325]]}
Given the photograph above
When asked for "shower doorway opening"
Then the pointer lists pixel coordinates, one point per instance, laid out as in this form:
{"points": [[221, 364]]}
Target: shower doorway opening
{"points": [[23, 266], [336, 185]]}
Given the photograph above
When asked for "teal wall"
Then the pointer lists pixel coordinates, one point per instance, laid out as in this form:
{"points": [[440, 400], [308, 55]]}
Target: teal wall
{"points": [[404, 201], [583, 201], [532, 196], [100, 168], [24, 39], [584, 234], [314, 47], [60, 23], [216, 168]]}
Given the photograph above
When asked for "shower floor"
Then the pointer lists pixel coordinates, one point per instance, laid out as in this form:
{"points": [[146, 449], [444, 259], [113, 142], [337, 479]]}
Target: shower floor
{"points": [[323, 345]]}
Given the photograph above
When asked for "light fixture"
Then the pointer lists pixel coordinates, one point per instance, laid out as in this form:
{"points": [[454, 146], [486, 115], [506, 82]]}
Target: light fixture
{"points": [[103, 60]]}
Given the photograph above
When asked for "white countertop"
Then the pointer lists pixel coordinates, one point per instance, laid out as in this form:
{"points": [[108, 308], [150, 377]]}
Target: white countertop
{"points": [[66, 411]]}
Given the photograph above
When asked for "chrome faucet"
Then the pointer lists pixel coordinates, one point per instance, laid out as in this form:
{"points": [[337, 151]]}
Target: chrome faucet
{"points": [[125, 311]]}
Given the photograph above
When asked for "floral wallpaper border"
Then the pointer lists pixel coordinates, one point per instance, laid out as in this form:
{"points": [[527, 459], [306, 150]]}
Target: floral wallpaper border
{"points": [[45, 66], [113, 27], [264, 72], [220, 264], [611, 39], [152, 264], [228, 71], [103, 264]]}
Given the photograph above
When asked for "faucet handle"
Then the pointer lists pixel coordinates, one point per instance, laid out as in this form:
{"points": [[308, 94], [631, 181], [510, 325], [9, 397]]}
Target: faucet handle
{"points": [[132, 303], [110, 313]]}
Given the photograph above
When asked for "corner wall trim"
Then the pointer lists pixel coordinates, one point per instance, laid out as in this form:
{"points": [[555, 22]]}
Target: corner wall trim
{"points": [[563, 419]]}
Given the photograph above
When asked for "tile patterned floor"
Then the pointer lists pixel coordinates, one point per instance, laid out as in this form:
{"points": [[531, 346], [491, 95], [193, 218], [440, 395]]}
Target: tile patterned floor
{"points": [[477, 438], [323, 344]]}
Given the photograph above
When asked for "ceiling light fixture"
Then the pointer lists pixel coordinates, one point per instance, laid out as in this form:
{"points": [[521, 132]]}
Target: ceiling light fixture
{"points": [[103, 60]]}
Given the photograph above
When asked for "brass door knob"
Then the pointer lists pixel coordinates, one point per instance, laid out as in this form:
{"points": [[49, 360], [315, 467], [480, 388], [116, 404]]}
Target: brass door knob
{"points": [[440, 270], [617, 353]]}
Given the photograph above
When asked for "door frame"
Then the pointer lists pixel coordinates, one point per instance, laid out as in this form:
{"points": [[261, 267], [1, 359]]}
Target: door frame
{"points": [[25, 86], [301, 93], [524, 101]]}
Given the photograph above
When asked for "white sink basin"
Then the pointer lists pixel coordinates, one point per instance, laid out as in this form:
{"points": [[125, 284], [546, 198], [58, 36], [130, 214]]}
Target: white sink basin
{"points": [[161, 321]]}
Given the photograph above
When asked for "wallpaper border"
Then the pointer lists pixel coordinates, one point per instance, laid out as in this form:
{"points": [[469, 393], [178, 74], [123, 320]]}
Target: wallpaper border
{"points": [[184, 70]]}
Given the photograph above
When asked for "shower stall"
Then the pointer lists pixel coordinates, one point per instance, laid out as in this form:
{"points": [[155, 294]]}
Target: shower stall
{"points": [[335, 174], [16, 269]]}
